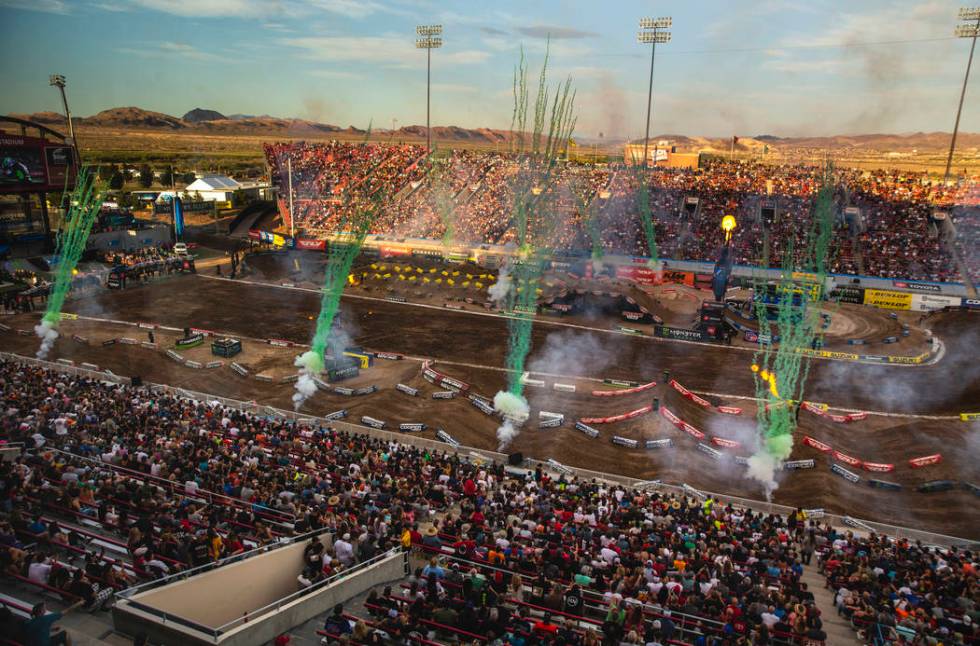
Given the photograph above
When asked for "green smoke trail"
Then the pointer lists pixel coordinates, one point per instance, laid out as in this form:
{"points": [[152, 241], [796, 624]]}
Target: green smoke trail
{"points": [[86, 200], [781, 373], [645, 213], [552, 122]]}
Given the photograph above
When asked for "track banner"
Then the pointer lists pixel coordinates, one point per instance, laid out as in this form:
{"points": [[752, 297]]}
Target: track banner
{"points": [[926, 460], [969, 417], [887, 299]]}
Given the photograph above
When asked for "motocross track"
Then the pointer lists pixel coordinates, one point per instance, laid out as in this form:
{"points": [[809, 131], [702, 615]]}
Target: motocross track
{"points": [[454, 338]]}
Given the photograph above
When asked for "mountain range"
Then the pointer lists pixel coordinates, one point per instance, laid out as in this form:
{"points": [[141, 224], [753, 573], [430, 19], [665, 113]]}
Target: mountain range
{"points": [[205, 121]]}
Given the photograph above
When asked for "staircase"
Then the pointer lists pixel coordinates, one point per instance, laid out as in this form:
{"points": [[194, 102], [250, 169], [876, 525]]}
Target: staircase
{"points": [[839, 630]]}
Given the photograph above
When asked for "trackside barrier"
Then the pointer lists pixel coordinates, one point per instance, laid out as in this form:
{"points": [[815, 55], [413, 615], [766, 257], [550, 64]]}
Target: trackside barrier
{"points": [[4, 327], [929, 538], [237, 367], [264, 377], [408, 390], [533, 383], [193, 364], [88, 366], [176, 356], [412, 427], [288, 379], [618, 418], [565, 388], [372, 422], [79, 339], [128, 341], [665, 443], [844, 473], [619, 393], [588, 430], [66, 362], [443, 394], [214, 364], [624, 441]]}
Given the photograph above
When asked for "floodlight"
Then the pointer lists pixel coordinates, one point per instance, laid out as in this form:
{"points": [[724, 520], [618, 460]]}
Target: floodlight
{"points": [[56, 80], [970, 13], [966, 31], [652, 31]]}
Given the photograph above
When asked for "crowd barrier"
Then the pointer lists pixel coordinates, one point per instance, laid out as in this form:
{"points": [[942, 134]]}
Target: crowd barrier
{"points": [[929, 538]]}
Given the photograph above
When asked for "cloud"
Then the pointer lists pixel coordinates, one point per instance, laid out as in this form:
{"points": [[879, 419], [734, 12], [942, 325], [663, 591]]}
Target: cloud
{"points": [[555, 33], [455, 88], [356, 9], [493, 31], [334, 74], [389, 50], [189, 52], [218, 8], [44, 6], [167, 49]]}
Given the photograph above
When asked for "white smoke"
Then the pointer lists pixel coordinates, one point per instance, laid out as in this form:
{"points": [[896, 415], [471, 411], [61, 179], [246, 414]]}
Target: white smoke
{"points": [[310, 366], [762, 468], [499, 290], [46, 331], [515, 411]]}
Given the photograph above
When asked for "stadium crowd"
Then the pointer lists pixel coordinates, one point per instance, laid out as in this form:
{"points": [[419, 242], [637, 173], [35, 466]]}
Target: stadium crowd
{"points": [[519, 558], [473, 193]]}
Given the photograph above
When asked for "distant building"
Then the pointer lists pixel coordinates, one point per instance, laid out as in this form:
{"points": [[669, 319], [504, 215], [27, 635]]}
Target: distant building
{"points": [[221, 188], [659, 153]]}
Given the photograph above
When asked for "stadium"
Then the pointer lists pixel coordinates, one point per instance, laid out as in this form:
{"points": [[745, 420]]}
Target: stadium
{"points": [[408, 393]]}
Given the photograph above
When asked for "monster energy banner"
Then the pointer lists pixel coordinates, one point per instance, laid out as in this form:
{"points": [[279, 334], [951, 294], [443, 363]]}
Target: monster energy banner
{"points": [[848, 294], [678, 333], [165, 208]]}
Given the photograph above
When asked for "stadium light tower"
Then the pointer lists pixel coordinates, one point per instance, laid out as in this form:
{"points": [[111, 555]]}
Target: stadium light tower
{"points": [[652, 31], [58, 81], [429, 38], [969, 27]]}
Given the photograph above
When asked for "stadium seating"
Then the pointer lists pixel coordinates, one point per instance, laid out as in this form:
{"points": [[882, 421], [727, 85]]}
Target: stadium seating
{"points": [[473, 193], [138, 485]]}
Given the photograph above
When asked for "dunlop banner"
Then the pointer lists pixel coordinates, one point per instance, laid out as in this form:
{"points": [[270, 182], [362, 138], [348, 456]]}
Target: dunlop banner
{"points": [[887, 299]]}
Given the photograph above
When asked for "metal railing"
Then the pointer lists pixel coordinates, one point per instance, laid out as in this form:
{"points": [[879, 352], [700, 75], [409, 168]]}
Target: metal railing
{"points": [[929, 538], [183, 574]]}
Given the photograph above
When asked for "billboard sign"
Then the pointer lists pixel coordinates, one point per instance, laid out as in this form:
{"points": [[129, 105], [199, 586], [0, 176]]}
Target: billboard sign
{"points": [[33, 164]]}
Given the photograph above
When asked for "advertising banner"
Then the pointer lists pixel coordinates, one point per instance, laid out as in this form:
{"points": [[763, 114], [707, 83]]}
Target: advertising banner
{"points": [[817, 444], [311, 245], [926, 460], [970, 303], [854, 462], [23, 166], [929, 302], [969, 417], [849, 294], [887, 299], [919, 287], [639, 274], [678, 333]]}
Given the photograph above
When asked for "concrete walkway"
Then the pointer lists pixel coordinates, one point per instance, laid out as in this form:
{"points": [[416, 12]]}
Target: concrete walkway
{"points": [[838, 629]]}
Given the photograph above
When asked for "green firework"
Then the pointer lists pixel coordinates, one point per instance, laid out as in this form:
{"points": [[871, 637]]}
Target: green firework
{"points": [[86, 200], [552, 121], [797, 325]]}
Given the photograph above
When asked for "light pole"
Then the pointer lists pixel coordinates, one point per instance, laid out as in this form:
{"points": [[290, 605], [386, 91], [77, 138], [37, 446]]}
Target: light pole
{"points": [[429, 38], [652, 31], [963, 30], [58, 81]]}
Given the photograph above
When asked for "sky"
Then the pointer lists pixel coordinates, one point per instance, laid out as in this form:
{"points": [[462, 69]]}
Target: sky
{"points": [[746, 67]]}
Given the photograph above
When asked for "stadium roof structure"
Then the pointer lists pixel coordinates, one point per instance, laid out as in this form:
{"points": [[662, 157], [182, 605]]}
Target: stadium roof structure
{"points": [[213, 183]]}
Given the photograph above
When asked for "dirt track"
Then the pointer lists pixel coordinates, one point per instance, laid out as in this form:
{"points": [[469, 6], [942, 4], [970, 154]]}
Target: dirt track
{"points": [[265, 312]]}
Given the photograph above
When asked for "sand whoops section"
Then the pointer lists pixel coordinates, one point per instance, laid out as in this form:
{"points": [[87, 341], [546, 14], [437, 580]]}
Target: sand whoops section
{"points": [[468, 348]]}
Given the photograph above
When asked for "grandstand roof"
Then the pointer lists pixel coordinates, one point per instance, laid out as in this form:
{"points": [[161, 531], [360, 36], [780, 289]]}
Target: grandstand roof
{"points": [[213, 183]]}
